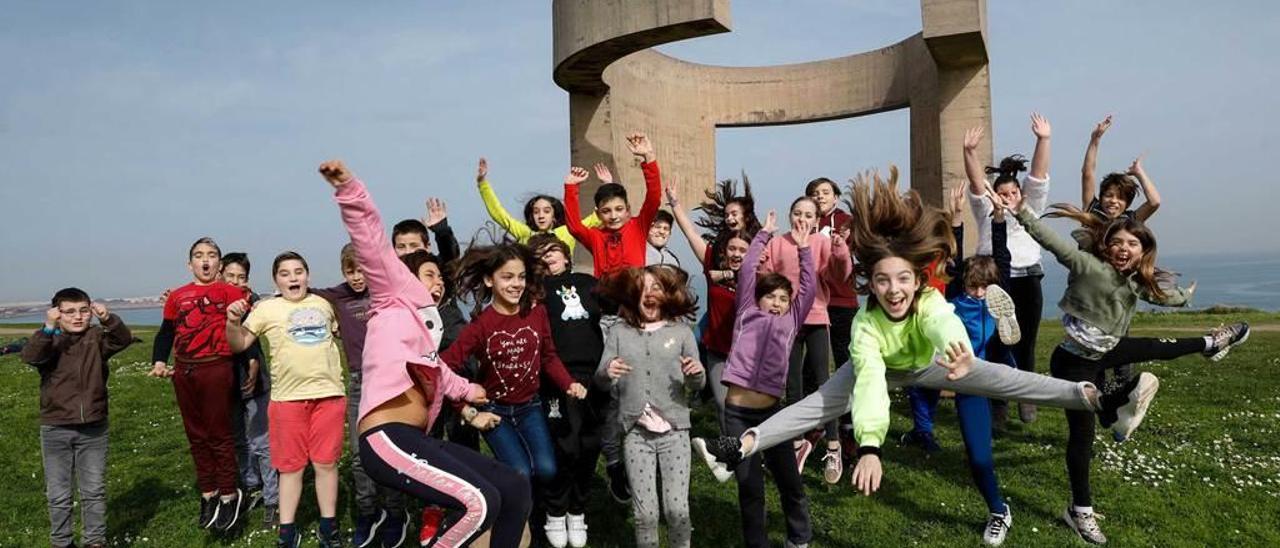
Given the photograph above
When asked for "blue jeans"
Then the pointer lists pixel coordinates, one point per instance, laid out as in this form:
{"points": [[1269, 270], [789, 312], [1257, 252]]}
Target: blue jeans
{"points": [[975, 426], [253, 453], [522, 440]]}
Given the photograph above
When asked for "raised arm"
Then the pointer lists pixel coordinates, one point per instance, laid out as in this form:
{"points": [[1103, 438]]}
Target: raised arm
{"points": [[40, 349], [973, 168], [493, 205], [1088, 182], [1066, 251], [447, 248], [1040, 159], [639, 145], [238, 336], [745, 293], [572, 214], [807, 293], [1148, 208], [696, 243], [115, 334], [385, 275]]}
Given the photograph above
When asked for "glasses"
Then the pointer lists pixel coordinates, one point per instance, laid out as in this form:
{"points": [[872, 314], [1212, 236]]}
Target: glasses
{"points": [[82, 311]]}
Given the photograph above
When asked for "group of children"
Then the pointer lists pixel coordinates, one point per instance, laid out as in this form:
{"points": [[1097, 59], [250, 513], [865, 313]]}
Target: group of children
{"points": [[624, 355]]}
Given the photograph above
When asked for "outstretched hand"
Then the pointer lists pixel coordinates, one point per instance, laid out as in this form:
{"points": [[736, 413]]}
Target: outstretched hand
{"points": [[867, 474], [1040, 126], [801, 230], [672, 200], [972, 138], [437, 212], [1101, 128], [955, 205], [576, 176], [639, 145], [1135, 168], [336, 173], [603, 173], [958, 360], [482, 171], [770, 222]]}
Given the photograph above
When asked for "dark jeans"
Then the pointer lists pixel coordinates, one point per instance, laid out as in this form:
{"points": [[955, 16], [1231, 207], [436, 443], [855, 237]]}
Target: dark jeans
{"points": [[253, 452], [781, 462], [841, 336], [1065, 365], [974, 413], [522, 440], [478, 493], [75, 456], [576, 433], [810, 367], [370, 496], [1028, 302]]}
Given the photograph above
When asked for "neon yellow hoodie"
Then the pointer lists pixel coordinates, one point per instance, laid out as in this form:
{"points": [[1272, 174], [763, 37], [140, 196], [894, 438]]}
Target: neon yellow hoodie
{"points": [[879, 343], [517, 228]]}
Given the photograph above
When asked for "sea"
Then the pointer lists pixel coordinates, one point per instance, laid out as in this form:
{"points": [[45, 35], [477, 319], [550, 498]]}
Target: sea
{"points": [[1232, 280]]}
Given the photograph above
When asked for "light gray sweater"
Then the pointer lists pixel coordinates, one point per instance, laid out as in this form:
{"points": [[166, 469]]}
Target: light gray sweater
{"points": [[655, 377]]}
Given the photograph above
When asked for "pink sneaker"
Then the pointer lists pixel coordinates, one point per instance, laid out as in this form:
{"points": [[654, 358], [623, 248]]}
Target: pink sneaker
{"points": [[802, 448]]}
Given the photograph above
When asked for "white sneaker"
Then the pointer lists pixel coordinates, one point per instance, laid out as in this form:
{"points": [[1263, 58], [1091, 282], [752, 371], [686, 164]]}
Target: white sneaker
{"points": [[1130, 415], [577, 530], [1085, 525], [998, 527], [557, 533], [1000, 304], [832, 467]]}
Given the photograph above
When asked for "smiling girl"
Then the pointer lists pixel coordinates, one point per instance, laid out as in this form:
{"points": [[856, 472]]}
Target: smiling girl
{"points": [[543, 214]]}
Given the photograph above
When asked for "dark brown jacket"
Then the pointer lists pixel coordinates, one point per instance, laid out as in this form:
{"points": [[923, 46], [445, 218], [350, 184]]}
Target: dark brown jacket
{"points": [[73, 371]]}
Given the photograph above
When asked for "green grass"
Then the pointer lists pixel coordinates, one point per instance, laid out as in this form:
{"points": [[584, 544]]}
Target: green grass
{"points": [[1204, 469]]}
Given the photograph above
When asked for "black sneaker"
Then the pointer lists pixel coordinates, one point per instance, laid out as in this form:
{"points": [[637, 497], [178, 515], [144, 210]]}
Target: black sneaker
{"points": [[208, 511], [924, 440], [229, 511], [722, 455], [331, 540], [252, 499], [619, 487], [289, 543], [395, 529], [366, 533], [1225, 338], [270, 518]]}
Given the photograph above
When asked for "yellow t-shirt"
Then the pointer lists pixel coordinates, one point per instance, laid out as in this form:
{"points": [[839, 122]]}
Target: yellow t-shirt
{"points": [[304, 355]]}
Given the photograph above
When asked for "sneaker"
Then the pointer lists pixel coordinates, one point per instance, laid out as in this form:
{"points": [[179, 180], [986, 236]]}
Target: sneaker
{"points": [[832, 466], [252, 499], [208, 511], [790, 544], [1224, 338], [282, 543], [997, 527], [1000, 304], [432, 519], [1085, 525], [331, 540], [722, 455], [619, 487], [395, 529], [367, 529], [229, 511], [1027, 413], [577, 530], [557, 531], [1130, 415], [803, 448], [925, 440], [270, 518]]}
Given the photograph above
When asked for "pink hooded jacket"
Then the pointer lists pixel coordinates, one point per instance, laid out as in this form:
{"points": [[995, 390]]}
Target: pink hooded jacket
{"points": [[404, 325]]}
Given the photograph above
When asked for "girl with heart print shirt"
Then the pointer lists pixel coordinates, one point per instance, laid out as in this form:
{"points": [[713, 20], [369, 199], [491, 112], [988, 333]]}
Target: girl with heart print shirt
{"points": [[511, 339]]}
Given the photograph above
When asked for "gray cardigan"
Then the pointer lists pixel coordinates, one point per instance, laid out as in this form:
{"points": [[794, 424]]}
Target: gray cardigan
{"points": [[655, 377]]}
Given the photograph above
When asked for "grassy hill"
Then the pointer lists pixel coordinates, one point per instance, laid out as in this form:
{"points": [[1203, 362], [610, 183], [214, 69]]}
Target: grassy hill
{"points": [[1204, 469]]}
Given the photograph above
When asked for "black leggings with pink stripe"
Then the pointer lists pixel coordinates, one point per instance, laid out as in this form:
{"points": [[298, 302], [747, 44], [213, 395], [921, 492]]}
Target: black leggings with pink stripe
{"points": [[487, 494]]}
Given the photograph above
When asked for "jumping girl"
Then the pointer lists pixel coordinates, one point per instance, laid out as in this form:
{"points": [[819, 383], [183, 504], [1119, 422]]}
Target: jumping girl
{"points": [[907, 335], [811, 355], [543, 214], [1103, 290], [404, 384], [769, 314], [650, 358]]}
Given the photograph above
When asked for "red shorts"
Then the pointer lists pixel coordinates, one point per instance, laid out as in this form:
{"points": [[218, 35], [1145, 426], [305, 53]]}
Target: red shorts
{"points": [[305, 431]]}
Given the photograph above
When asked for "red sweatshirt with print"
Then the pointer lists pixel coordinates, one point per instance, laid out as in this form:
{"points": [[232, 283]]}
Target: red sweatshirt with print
{"points": [[513, 351]]}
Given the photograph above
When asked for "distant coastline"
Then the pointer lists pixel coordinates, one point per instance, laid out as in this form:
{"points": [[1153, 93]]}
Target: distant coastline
{"points": [[16, 310]]}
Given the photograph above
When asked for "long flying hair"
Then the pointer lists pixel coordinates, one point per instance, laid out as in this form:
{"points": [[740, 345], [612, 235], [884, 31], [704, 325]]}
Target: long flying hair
{"points": [[714, 211], [888, 224], [1150, 277], [1007, 171], [626, 287], [483, 261]]}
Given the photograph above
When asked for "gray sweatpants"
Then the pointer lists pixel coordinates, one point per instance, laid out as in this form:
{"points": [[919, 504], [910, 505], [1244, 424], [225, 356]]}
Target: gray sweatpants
{"points": [[986, 379], [370, 496], [76, 455], [650, 456], [715, 371]]}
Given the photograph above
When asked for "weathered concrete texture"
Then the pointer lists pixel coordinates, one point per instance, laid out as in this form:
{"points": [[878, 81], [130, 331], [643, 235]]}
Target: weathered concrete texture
{"points": [[617, 84]]}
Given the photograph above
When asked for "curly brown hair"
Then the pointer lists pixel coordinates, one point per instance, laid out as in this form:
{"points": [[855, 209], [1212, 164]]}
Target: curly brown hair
{"points": [[888, 224], [482, 261], [626, 287]]}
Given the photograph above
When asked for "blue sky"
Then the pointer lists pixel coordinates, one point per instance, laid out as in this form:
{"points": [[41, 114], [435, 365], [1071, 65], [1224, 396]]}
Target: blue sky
{"points": [[128, 129]]}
